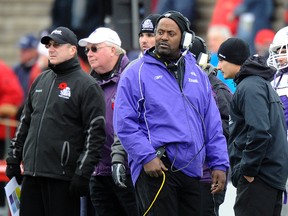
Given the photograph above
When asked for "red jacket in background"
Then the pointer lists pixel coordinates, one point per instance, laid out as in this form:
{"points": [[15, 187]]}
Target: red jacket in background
{"points": [[10, 93], [222, 10]]}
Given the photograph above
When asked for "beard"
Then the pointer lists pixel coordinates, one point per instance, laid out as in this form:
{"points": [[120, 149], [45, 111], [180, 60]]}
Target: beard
{"points": [[166, 52]]}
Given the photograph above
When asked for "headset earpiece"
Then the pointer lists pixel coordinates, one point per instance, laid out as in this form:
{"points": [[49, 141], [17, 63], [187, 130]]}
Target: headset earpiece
{"points": [[187, 40], [187, 36], [205, 51]]}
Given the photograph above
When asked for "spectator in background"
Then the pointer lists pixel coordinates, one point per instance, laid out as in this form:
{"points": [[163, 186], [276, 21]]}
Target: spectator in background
{"points": [[216, 35], [253, 16], [147, 33], [285, 15], [33, 60], [82, 17], [262, 42], [222, 13], [42, 59], [187, 8], [107, 60], [11, 97], [28, 56], [146, 36]]}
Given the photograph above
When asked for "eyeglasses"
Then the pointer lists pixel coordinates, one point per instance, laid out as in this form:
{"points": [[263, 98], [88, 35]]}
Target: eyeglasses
{"points": [[94, 49], [55, 45]]}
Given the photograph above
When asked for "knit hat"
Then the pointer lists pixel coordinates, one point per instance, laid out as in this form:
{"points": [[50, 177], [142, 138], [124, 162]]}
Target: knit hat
{"points": [[101, 35], [61, 35], [234, 50], [179, 18], [149, 23]]}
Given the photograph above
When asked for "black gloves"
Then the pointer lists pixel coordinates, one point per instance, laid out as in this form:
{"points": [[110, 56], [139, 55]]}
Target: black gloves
{"points": [[119, 174], [14, 170], [79, 186]]}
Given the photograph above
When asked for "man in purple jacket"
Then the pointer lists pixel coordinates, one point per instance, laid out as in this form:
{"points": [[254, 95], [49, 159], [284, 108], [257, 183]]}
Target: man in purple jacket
{"points": [[164, 107], [107, 60]]}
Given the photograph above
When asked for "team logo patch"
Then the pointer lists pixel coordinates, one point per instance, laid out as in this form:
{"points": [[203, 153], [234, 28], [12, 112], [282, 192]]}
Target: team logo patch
{"points": [[65, 91], [147, 25]]}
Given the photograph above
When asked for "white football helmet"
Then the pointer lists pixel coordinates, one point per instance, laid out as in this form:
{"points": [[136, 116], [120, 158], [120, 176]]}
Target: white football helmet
{"points": [[278, 50]]}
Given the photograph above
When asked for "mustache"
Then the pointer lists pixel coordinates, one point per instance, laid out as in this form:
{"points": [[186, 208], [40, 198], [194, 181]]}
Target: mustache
{"points": [[162, 43]]}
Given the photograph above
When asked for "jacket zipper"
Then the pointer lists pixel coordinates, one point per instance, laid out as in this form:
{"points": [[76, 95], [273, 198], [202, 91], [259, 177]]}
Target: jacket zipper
{"points": [[40, 124]]}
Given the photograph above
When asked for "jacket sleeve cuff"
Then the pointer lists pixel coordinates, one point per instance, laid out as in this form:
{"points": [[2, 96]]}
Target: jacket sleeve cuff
{"points": [[11, 160], [148, 159], [222, 168], [118, 158]]}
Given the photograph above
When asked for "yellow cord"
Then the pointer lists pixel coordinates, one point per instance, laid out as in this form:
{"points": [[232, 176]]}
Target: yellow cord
{"points": [[163, 181]]}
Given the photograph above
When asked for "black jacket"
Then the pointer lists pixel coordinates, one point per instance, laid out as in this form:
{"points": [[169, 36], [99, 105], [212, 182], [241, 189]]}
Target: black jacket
{"points": [[257, 144], [222, 96], [62, 128]]}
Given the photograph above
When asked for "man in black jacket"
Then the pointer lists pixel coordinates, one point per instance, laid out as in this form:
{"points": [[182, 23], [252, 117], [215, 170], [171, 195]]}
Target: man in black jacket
{"points": [[257, 144], [61, 133]]}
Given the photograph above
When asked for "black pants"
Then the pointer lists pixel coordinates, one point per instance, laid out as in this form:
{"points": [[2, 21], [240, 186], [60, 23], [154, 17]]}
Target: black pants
{"points": [[257, 199], [109, 199], [179, 196], [207, 200], [210, 203], [87, 209], [47, 197]]}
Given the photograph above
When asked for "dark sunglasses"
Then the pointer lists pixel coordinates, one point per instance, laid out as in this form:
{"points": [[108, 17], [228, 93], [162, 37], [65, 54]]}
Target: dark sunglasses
{"points": [[55, 45], [94, 49]]}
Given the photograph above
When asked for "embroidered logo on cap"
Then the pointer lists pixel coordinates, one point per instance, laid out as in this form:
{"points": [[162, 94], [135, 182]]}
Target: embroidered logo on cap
{"points": [[147, 24], [59, 32], [222, 56]]}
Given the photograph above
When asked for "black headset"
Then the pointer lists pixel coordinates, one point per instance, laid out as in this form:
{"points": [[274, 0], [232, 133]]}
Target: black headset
{"points": [[204, 46], [188, 37]]}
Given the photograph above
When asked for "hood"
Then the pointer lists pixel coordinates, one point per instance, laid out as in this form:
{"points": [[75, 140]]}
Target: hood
{"points": [[255, 66]]}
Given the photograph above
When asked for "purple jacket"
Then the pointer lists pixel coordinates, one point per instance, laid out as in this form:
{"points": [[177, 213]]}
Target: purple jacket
{"points": [[109, 87], [152, 111]]}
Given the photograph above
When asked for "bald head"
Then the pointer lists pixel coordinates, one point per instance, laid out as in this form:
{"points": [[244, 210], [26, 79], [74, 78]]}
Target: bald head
{"points": [[216, 35]]}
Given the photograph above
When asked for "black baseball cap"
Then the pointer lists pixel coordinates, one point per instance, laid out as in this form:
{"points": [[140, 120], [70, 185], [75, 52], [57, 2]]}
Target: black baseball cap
{"points": [[61, 35]]}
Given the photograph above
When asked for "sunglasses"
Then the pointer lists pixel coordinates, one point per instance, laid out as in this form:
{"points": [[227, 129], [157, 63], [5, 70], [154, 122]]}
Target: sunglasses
{"points": [[94, 49], [55, 45]]}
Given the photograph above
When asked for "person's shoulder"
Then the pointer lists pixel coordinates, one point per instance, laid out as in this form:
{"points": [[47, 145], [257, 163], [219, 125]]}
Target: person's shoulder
{"points": [[252, 84], [133, 66], [134, 63], [86, 77]]}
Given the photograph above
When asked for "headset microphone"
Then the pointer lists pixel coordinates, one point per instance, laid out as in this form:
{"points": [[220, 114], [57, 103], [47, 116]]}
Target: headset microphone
{"points": [[172, 66]]}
